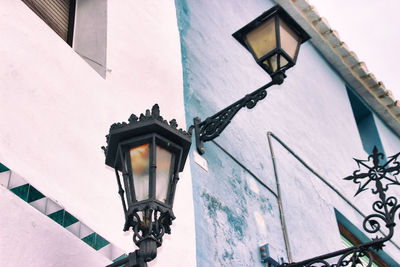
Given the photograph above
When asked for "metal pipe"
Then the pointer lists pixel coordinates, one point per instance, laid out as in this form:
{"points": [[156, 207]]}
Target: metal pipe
{"points": [[281, 212]]}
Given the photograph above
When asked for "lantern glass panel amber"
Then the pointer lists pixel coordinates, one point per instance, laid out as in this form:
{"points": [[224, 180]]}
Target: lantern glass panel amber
{"points": [[274, 40], [140, 162], [262, 39]]}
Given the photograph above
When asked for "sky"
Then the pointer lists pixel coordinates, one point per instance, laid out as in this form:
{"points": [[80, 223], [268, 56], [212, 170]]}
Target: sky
{"points": [[371, 29]]}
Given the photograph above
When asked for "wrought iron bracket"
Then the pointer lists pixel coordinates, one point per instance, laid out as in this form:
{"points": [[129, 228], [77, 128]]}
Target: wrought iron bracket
{"points": [[385, 208], [213, 126]]}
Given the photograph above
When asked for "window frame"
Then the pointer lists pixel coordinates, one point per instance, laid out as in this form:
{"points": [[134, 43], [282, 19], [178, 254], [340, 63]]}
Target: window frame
{"points": [[355, 241]]}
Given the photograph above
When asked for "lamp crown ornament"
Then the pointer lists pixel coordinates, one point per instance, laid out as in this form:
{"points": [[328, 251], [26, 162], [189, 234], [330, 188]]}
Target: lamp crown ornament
{"points": [[154, 114]]}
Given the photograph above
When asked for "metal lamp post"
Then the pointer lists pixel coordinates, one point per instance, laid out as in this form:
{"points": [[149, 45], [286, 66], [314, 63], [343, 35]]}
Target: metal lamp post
{"points": [[274, 40], [148, 152]]}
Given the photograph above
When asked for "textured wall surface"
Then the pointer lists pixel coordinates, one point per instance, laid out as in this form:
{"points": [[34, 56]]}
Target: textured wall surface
{"points": [[90, 33], [55, 111], [310, 112]]}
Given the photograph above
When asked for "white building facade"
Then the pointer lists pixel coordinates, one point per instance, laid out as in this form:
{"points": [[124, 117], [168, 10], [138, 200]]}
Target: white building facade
{"points": [[273, 176]]}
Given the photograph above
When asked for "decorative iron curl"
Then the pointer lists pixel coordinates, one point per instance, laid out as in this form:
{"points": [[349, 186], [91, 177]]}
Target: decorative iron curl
{"points": [[354, 259], [151, 225], [213, 126], [371, 225], [320, 263]]}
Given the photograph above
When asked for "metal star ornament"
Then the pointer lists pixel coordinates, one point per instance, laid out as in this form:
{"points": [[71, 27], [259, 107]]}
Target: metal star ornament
{"points": [[383, 174]]}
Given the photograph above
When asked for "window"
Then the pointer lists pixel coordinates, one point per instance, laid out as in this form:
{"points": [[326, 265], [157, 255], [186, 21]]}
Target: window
{"points": [[58, 14], [365, 123], [349, 240], [351, 236], [82, 22]]}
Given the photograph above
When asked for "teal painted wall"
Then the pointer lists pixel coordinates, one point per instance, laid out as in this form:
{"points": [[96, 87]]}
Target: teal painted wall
{"points": [[310, 112]]}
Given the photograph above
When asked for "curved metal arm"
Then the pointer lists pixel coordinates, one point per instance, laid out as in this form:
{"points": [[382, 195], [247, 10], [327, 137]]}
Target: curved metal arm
{"points": [[385, 212], [133, 260], [213, 126]]}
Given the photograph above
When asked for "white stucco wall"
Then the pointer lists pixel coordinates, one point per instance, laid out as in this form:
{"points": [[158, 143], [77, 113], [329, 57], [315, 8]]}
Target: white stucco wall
{"points": [[27, 238], [55, 111]]}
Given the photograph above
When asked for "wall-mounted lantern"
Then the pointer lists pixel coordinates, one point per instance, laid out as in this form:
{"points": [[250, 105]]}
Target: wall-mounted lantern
{"points": [[148, 152], [274, 40]]}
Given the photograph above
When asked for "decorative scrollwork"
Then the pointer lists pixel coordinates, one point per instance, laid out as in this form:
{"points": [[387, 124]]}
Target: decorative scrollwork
{"points": [[371, 224], [150, 224], [213, 126], [353, 259], [318, 263], [385, 210]]}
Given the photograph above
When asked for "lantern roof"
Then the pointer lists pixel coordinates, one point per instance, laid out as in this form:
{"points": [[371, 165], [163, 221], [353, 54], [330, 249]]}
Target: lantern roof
{"points": [[150, 122], [276, 10]]}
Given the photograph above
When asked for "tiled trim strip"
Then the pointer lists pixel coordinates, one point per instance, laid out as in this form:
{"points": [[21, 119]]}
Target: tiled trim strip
{"points": [[20, 187]]}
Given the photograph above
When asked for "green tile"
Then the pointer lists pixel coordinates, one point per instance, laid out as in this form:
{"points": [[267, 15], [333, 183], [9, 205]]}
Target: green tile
{"points": [[3, 168], [34, 194], [69, 219], [21, 191], [90, 239], [100, 242], [123, 256], [57, 216]]}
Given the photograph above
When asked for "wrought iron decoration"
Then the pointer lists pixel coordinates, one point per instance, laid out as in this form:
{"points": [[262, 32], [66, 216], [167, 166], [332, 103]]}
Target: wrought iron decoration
{"points": [[213, 126], [381, 176]]}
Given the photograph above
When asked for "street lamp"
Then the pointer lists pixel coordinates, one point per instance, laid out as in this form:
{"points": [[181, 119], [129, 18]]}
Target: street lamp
{"points": [[274, 40], [148, 152]]}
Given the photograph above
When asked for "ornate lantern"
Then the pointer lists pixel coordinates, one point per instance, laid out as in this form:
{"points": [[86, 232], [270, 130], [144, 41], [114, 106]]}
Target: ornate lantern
{"points": [[148, 152], [274, 40]]}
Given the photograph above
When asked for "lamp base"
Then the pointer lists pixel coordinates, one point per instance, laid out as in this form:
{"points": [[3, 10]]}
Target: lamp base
{"points": [[147, 249], [278, 77]]}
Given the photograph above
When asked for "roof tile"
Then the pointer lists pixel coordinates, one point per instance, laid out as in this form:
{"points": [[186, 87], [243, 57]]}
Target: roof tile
{"points": [[351, 60]]}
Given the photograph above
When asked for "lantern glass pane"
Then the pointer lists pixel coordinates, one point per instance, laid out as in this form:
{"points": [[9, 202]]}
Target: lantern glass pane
{"points": [[262, 39], [283, 61], [140, 170], [289, 40], [272, 63], [163, 172]]}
